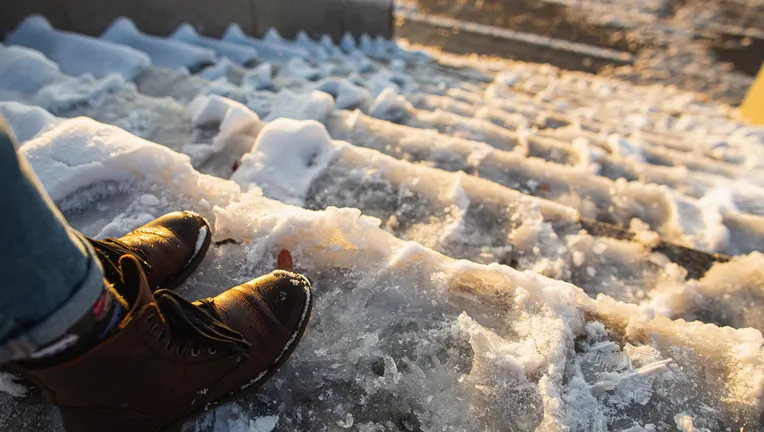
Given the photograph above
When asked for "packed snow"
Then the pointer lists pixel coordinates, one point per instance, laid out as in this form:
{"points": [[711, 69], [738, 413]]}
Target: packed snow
{"points": [[488, 246]]}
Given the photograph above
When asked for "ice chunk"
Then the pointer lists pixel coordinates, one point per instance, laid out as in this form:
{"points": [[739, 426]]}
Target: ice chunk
{"points": [[23, 70], [77, 54], [164, 52], [314, 105], [622, 147], [233, 116], [238, 54], [317, 52], [299, 69], [347, 43], [346, 94], [286, 157], [26, 121], [9, 385], [218, 70], [268, 49], [390, 106], [64, 95], [88, 152], [334, 51], [397, 65], [357, 62], [273, 35], [258, 78]]}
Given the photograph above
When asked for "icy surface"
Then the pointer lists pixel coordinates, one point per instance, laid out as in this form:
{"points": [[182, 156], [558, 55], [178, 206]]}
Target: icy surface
{"points": [[410, 161], [24, 71], [163, 52], [235, 53], [302, 106], [286, 157], [405, 338], [266, 50], [76, 54], [26, 121]]}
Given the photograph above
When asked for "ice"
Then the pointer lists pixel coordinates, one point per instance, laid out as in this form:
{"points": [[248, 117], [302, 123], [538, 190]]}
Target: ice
{"points": [[291, 151], [317, 51], [9, 385], [77, 54], [267, 50], [25, 121], [112, 154], [299, 69], [166, 53], [258, 78], [469, 218], [238, 54], [346, 94], [66, 95], [236, 128], [390, 106], [586, 331], [24, 71], [219, 70], [314, 105], [402, 334], [624, 148], [348, 42]]}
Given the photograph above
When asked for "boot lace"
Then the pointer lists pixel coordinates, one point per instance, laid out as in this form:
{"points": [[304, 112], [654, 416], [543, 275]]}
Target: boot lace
{"points": [[111, 250], [197, 325]]}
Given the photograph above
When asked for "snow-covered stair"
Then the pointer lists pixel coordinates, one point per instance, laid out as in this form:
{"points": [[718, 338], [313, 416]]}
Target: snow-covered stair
{"points": [[678, 217], [506, 165], [405, 338]]}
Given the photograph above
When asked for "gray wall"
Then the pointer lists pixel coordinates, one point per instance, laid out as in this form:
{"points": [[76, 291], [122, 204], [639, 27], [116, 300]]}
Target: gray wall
{"points": [[210, 17]]}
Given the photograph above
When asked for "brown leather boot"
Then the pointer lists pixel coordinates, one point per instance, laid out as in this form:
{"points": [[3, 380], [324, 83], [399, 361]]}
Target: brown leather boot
{"points": [[170, 248], [173, 359]]}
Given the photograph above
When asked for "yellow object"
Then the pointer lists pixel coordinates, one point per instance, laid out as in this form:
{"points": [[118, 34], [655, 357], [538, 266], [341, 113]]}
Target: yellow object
{"points": [[753, 104]]}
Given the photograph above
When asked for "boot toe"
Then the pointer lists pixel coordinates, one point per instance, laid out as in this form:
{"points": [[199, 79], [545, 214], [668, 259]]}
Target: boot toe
{"points": [[187, 226], [287, 295]]}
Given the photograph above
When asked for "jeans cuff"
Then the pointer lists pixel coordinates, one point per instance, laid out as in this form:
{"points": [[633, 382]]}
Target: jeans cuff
{"points": [[38, 336]]}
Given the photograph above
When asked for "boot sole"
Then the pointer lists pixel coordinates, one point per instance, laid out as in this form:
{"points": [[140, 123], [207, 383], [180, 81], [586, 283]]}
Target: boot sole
{"points": [[193, 263], [272, 369]]}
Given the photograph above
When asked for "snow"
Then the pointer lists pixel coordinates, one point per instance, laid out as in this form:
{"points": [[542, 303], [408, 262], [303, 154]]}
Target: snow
{"points": [[27, 122], [9, 385], [24, 71], [266, 50], [297, 68], [233, 52], [314, 105], [291, 151], [456, 286], [77, 54], [497, 339], [163, 52], [258, 78], [389, 105], [346, 94]]}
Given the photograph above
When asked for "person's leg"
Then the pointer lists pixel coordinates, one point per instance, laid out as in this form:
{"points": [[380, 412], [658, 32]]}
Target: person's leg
{"points": [[50, 276]]}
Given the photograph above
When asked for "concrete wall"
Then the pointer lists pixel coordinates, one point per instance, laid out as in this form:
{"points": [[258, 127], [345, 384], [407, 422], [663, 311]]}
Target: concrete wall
{"points": [[210, 17]]}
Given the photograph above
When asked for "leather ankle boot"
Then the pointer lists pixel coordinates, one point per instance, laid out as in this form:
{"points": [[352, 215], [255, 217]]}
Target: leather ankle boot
{"points": [[172, 359], [169, 248]]}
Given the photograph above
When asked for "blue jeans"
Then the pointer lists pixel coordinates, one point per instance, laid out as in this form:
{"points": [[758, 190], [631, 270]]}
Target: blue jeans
{"points": [[49, 275]]}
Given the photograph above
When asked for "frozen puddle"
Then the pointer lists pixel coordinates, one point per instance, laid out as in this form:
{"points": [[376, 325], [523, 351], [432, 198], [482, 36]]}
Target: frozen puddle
{"points": [[404, 338]]}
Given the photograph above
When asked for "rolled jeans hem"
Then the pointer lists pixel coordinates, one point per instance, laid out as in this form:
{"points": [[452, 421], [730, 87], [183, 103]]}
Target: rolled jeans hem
{"points": [[30, 340]]}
